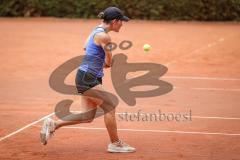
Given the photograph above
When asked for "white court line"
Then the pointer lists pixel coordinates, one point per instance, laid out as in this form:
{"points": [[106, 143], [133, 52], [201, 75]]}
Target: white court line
{"points": [[196, 117], [33, 123], [200, 117], [221, 118], [25, 127], [200, 49], [201, 78], [159, 131], [217, 89], [210, 89]]}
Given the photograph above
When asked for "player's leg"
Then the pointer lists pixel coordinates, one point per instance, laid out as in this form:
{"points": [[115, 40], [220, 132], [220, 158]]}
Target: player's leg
{"points": [[88, 110], [108, 105], [105, 102], [111, 125], [84, 81]]}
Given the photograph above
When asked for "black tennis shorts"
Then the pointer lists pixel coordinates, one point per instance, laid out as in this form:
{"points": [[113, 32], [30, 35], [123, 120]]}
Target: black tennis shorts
{"points": [[86, 80]]}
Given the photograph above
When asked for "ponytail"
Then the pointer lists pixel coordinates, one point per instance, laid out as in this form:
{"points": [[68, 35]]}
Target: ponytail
{"points": [[101, 15]]}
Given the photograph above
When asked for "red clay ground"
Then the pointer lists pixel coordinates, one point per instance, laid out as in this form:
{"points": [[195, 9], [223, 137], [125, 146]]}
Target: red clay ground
{"points": [[203, 65]]}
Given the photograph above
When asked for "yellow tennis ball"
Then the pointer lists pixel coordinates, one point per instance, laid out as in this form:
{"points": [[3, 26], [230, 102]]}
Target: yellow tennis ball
{"points": [[146, 47]]}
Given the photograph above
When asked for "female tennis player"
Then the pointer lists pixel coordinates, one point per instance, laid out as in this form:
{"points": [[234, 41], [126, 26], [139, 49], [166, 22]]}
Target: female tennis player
{"points": [[89, 78]]}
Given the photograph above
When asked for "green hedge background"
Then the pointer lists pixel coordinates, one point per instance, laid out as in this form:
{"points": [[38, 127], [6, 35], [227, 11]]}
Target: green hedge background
{"points": [[204, 10]]}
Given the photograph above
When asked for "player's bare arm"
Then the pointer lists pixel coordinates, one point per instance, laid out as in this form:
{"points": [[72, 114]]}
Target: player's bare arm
{"points": [[104, 40]]}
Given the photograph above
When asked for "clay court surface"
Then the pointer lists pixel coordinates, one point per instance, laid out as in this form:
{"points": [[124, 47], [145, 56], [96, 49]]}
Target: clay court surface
{"points": [[203, 61]]}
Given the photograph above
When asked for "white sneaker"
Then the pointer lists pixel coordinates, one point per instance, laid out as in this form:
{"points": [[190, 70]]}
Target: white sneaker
{"points": [[47, 130], [120, 147]]}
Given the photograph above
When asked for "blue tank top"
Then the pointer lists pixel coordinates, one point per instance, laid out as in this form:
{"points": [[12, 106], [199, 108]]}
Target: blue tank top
{"points": [[94, 58]]}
